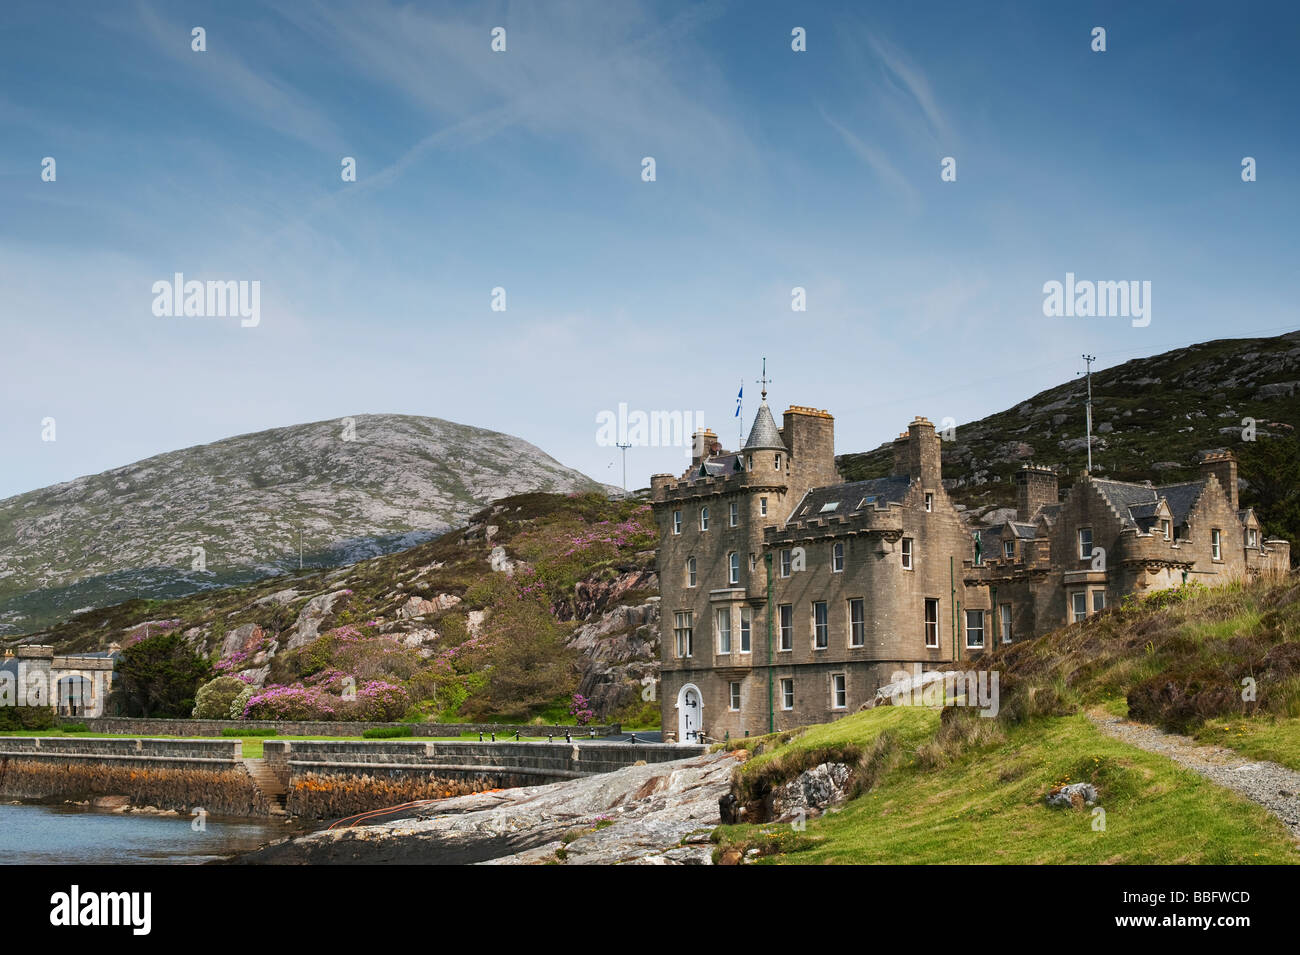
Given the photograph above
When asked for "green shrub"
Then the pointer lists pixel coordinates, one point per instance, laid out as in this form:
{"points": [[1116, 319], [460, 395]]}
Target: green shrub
{"points": [[213, 700], [73, 728], [388, 732], [26, 717], [238, 703]]}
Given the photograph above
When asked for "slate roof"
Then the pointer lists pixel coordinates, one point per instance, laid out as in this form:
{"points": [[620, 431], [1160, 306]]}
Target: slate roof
{"points": [[1136, 503], [764, 434], [1023, 531], [847, 497], [721, 465]]}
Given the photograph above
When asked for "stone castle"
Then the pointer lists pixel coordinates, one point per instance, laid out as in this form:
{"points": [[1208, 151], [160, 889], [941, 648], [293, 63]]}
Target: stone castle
{"points": [[790, 596]]}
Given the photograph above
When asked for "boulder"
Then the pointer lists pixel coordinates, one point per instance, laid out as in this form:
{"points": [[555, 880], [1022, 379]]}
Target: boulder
{"points": [[810, 792], [307, 627], [241, 640], [1073, 796], [416, 607]]}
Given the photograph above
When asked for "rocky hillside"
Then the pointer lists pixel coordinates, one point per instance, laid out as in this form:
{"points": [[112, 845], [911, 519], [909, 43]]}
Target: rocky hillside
{"points": [[539, 596], [355, 488], [1150, 418]]}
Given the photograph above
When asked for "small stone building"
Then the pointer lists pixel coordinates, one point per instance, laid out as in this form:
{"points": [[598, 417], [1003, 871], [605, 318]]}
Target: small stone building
{"points": [[789, 596]]}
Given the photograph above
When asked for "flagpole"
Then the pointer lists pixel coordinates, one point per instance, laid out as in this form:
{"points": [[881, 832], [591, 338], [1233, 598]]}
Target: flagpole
{"points": [[740, 414]]}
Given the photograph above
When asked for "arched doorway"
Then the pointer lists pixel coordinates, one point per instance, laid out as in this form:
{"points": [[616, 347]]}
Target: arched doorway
{"points": [[690, 714]]}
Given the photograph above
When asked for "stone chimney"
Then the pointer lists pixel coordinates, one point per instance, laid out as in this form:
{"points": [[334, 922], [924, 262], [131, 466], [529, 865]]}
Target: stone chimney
{"points": [[923, 453], [703, 444], [1035, 488], [1223, 465], [901, 467], [809, 433]]}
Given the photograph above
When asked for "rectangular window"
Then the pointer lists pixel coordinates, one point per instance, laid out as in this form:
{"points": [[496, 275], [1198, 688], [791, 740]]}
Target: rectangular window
{"points": [[907, 553], [733, 567], [839, 692], [735, 696], [787, 626], [787, 694], [734, 517], [837, 557], [974, 629], [677, 522], [704, 518], [777, 461], [1165, 529], [1085, 543], [1078, 605], [762, 507], [684, 633], [746, 626], [931, 622], [1216, 544], [857, 622], [722, 624], [785, 562], [929, 503], [1252, 538], [1098, 600], [821, 632], [1009, 550], [753, 563], [1006, 623]]}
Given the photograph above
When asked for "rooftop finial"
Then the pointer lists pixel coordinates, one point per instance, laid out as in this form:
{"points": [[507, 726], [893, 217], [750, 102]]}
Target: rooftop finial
{"points": [[764, 381]]}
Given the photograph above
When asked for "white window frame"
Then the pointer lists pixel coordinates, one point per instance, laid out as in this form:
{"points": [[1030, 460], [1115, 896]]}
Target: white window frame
{"points": [[733, 514], [753, 562], [746, 630], [1093, 600], [839, 691], [677, 522], [1085, 554], [1167, 528], [1005, 623], [980, 615], [929, 503], [787, 693], [1216, 543], [837, 557], [691, 576], [733, 696], [722, 630], [762, 506], [822, 630], [1252, 537], [1009, 550], [931, 602], [704, 518], [907, 553], [776, 462], [785, 559], [684, 633], [785, 631], [733, 567], [1075, 615], [858, 628]]}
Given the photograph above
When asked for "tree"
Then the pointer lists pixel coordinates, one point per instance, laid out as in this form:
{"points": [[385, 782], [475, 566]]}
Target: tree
{"points": [[160, 676], [527, 662], [1271, 469]]}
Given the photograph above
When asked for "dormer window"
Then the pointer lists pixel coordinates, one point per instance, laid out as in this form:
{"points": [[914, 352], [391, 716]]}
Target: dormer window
{"points": [[1252, 537], [1009, 550], [1166, 529], [868, 501]]}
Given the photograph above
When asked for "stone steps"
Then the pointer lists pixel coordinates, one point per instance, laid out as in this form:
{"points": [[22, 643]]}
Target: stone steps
{"points": [[265, 779]]}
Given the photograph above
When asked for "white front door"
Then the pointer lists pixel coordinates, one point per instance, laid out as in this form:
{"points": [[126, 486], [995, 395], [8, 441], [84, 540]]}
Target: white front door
{"points": [[689, 714]]}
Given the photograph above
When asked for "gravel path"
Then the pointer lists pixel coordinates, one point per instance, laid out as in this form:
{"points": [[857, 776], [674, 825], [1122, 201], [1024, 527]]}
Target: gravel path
{"points": [[1274, 787]]}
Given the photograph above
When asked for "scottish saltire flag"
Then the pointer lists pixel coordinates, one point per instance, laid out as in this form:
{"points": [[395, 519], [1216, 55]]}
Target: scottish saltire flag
{"points": [[739, 395]]}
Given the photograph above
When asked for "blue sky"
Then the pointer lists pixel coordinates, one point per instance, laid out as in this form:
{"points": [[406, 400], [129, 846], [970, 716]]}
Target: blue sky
{"points": [[522, 170]]}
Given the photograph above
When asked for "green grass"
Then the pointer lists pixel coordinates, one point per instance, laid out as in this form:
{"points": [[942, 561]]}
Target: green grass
{"points": [[1276, 740], [987, 807], [912, 724]]}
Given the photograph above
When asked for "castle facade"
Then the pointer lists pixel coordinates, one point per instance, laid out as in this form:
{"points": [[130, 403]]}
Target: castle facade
{"points": [[790, 596]]}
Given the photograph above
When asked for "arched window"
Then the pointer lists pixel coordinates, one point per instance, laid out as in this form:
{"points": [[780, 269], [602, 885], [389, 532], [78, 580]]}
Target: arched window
{"points": [[704, 518], [733, 560], [690, 571]]}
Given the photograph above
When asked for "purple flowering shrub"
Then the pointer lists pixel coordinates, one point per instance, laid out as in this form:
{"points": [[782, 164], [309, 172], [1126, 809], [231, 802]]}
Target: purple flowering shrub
{"points": [[580, 709]]}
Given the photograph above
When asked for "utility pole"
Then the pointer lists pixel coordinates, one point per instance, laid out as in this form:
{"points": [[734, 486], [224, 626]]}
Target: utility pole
{"points": [[624, 448], [1089, 359]]}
